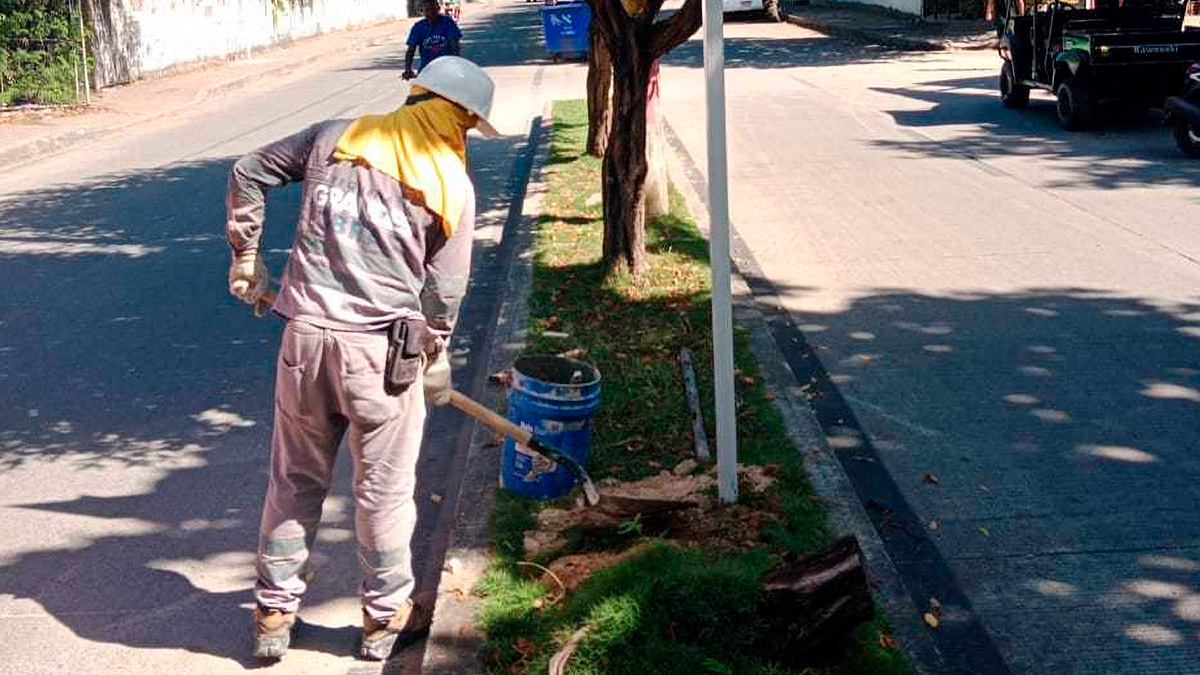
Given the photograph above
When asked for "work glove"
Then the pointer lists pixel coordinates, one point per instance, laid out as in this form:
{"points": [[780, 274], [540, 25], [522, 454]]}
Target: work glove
{"points": [[438, 384], [248, 277]]}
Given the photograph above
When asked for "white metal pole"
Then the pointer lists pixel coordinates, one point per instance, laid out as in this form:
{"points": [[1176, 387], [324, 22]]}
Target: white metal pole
{"points": [[718, 242]]}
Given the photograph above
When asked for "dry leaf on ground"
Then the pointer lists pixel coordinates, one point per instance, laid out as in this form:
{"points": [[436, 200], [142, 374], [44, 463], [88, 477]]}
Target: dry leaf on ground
{"points": [[524, 646], [685, 467]]}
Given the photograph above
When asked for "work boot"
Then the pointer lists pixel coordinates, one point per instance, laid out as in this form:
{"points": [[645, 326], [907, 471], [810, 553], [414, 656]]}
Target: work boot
{"points": [[409, 624], [272, 632]]}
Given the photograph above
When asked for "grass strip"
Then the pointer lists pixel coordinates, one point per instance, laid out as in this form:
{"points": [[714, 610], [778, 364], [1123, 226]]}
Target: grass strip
{"points": [[667, 609]]}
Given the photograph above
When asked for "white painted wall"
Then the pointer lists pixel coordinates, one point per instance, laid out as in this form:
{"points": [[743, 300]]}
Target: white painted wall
{"points": [[139, 37]]}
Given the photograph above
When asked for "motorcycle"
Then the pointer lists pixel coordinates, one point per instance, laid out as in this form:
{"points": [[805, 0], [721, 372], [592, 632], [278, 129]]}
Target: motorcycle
{"points": [[1183, 114]]}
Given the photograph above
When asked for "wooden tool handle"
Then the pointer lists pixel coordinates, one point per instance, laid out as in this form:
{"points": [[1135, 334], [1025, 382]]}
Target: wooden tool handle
{"points": [[499, 424], [264, 303], [491, 419]]}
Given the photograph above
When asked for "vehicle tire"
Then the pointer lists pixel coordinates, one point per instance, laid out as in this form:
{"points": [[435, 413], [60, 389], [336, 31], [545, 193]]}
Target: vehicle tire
{"points": [[774, 10], [1076, 106], [1187, 137], [1013, 94]]}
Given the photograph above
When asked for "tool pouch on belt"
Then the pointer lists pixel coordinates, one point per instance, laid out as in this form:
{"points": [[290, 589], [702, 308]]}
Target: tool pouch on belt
{"points": [[406, 346]]}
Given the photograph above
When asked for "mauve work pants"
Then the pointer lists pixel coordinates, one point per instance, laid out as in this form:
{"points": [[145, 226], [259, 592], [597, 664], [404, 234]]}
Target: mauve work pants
{"points": [[329, 384]]}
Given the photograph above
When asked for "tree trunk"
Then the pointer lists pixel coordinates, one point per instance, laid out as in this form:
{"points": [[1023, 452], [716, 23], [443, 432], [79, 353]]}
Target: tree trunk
{"points": [[658, 197], [625, 167], [635, 41], [599, 92], [813, 602]]}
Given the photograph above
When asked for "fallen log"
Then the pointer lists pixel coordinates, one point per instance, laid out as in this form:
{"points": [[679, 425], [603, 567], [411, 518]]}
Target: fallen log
{"points": [[813, 602]]}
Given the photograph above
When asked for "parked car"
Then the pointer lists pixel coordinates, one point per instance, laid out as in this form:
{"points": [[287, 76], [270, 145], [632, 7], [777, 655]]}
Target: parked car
{"points": [[1135, 51]]}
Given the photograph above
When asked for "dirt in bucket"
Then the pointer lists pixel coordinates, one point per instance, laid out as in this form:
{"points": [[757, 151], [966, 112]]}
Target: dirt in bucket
{"points": [[557, 370]]}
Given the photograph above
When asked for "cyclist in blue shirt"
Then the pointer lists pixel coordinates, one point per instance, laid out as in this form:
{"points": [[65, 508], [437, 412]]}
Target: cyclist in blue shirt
{"points": [[435, 35]]}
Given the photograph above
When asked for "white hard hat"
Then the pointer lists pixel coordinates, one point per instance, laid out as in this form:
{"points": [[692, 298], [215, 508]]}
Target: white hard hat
{"points": [[459, 80]]}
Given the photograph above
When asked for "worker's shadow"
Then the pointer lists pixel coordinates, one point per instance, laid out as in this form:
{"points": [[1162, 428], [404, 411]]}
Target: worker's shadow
{"points": [[184, 585], [163, 589]]}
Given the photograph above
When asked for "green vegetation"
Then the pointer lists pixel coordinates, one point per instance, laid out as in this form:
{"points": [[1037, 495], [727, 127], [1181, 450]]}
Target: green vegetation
{"points": [[39, 52], [666, 608]]}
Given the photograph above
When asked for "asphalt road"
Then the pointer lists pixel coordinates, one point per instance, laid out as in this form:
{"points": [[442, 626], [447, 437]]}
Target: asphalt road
{"points": [[1005, 317], [135, 394]]}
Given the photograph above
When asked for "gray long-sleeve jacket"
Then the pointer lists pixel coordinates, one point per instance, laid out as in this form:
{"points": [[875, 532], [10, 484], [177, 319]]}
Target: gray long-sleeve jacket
{"points": [[366, 250]]}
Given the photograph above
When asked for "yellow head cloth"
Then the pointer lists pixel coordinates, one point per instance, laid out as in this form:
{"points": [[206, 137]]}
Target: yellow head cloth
{"points": [[422, 144]]}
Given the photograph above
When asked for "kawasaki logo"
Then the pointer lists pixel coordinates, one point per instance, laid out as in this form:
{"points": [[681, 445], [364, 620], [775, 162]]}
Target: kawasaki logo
{"points": [[1155, 49]]}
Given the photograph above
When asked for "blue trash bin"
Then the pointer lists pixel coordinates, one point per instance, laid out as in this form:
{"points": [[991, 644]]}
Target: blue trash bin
{"points": [[565, 26], [555, 398]]}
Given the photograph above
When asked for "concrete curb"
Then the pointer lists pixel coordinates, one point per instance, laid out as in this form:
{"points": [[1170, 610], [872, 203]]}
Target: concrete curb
{"points": [[829, 479], [44, 146], [455, 642], [860, 34]]}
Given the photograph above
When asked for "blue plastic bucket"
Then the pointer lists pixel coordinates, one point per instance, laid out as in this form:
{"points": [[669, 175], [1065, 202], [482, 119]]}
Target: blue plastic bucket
{"points": [[555, 398], [565, 27]]}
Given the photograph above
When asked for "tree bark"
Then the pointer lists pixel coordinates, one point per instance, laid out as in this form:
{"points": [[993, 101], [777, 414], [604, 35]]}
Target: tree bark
{"points": [[635, 42], [814, 602], [599, 92], [658, 198], [625, 166]]}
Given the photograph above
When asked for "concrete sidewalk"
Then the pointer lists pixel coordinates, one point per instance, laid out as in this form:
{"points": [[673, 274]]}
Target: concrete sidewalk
{"points": [[877, 25], [26, 137]]}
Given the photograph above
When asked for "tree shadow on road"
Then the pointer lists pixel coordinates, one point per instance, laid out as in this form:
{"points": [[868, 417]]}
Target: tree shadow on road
{"points": [[816, 51], [1044, 443], [1126, 150]]}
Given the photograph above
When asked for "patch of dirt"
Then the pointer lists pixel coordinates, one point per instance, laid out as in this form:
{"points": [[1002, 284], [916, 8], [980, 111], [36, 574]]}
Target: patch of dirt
{"points": [[568, 572], [703, 519], [665, 485]]}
